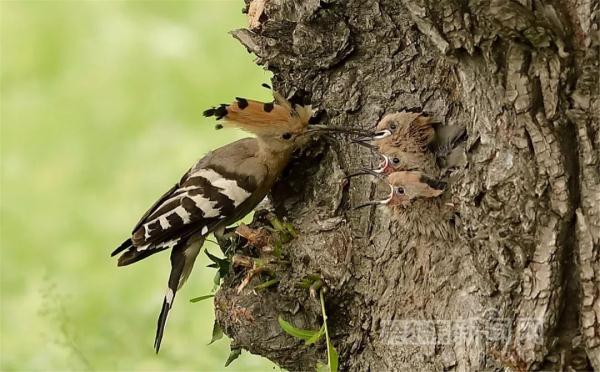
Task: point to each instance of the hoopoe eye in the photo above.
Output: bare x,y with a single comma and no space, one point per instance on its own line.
399,191
286,136
395,160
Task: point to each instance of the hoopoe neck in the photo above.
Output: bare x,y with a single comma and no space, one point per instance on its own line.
276,157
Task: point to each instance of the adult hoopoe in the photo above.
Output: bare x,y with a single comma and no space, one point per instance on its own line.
221,188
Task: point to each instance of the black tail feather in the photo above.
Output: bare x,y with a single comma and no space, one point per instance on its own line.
161,323
133,256
177,267
125,245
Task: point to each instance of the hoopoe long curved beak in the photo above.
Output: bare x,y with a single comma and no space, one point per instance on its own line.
315,128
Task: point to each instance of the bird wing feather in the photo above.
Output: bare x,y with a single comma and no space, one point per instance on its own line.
207,193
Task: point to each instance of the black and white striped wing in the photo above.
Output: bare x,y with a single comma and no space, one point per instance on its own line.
202,199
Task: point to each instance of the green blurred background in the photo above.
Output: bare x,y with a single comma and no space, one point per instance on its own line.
101,113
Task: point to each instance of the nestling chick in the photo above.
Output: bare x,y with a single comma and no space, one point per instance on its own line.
406,186
412,131
415,204
396,159
406,130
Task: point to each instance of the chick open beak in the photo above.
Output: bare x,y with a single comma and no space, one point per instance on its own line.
378,172
383,165
378,202
366,140
375,136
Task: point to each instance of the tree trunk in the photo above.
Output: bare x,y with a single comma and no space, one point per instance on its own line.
515,280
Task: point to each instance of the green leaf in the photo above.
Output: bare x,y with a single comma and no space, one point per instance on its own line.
277,249
333,357
317,336
321,367
276,223
216,281
333,361
309,280
198,299
217,333
233,355
291,230
303,334
222,264
214,258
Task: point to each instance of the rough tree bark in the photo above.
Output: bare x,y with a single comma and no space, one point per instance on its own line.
523,208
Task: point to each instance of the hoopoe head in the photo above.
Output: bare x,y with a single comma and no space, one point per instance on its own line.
277,124
410,131
409,185
396,159
405,186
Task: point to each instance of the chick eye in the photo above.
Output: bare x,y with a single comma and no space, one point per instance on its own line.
286,136
399,191
395,160
393,126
